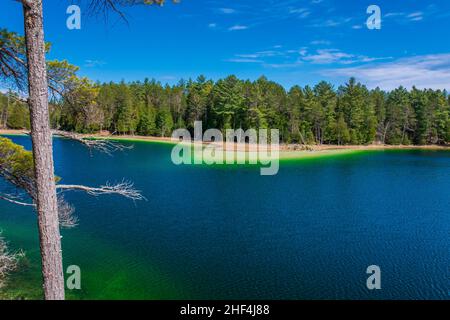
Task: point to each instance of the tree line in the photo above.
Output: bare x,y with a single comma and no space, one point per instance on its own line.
350,114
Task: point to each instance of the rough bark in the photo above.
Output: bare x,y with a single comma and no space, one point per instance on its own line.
46,201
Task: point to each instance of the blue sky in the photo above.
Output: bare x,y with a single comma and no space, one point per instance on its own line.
289,41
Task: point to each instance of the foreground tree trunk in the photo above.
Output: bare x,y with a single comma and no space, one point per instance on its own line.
46,202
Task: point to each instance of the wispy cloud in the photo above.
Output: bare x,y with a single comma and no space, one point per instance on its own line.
320,42
261,54
244,60
330,56
265,11
268,58
300,12
426,71
394,14
237,27
93,63
212,25
226,10
327,56
285,65
298,57
335,22
406,17
415,16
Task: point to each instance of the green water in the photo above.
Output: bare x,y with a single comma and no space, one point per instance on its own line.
224,232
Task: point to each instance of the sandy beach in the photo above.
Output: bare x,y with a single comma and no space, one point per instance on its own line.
287,151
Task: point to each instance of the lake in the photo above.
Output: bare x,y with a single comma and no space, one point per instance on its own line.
225,232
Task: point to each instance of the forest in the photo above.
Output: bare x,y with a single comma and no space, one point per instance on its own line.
350,114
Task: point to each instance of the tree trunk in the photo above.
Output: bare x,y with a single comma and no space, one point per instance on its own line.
5,113
47,209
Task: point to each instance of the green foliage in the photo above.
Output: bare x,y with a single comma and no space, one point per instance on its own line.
197,100
18,117
164,122
227,102
12,59
14,113
13,67
349,115
17,165
80,111
147,123
15,161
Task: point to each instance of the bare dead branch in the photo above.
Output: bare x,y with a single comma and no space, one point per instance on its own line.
125,189
8,261
103,145
67,219
14,158
103,7
12,199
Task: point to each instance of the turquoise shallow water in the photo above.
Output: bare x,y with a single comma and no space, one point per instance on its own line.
226,232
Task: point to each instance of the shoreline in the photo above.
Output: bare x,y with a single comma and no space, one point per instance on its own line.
287,151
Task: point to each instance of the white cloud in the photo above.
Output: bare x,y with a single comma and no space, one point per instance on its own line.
300,12
330,56
244,60
294,58
303,52
212,25
406,17
426,71
261,54
326,56
227,10
394,14
336,22
93,63
297,10
320,42
283,65
415,16
237,28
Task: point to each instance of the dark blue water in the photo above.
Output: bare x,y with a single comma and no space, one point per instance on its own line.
309,232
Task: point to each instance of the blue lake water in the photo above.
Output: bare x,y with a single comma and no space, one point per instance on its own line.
204,232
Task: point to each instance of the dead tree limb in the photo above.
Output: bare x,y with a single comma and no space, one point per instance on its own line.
67,218
12,199
102,145
124,188
9,261
16,167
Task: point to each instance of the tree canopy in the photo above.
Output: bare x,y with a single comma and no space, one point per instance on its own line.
322,114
